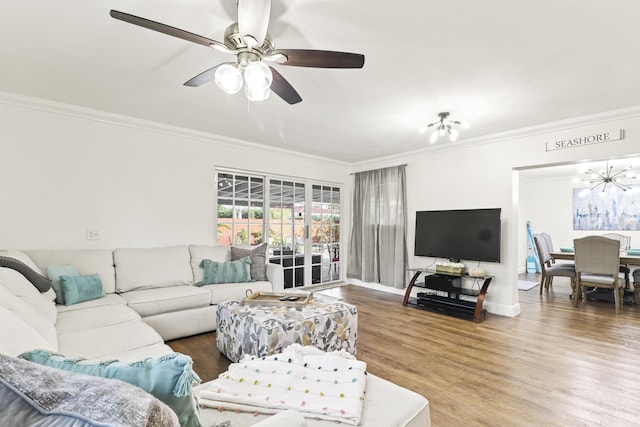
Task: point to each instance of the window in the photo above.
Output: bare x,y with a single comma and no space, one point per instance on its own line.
240,209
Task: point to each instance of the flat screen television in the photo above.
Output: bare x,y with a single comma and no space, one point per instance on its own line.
463,234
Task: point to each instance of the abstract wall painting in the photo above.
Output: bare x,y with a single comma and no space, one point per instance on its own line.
609,210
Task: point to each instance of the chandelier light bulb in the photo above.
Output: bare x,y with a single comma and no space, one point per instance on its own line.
434,136
445,126
228,78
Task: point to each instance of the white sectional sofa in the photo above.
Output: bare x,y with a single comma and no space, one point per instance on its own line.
150,296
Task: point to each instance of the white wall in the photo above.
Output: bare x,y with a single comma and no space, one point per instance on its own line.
65,170
483,175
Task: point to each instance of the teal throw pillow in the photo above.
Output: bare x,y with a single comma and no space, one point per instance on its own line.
238,271
169,378
54,272
81,288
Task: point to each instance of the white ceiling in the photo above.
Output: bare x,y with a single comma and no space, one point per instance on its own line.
499,64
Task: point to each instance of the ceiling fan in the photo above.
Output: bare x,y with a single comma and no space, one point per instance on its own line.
249,40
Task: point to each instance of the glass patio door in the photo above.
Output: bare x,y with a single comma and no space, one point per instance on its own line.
304,231
325,232
302,219
287,229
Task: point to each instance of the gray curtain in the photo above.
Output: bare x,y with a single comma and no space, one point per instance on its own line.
378,249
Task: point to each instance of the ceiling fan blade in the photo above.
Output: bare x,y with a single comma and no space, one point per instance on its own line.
167,29
320,58
205,76
253,19
283,88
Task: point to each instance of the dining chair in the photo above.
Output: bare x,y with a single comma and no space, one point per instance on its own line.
597,262
636,285
549,270
625,244
547,238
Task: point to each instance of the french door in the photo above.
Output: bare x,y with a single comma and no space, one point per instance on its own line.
302,220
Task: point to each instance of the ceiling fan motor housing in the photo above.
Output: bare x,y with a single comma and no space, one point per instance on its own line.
234,41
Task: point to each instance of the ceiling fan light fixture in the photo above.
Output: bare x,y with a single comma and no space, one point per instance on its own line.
229,79
256,94
258,76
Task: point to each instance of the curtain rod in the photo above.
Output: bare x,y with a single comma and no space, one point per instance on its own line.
404,164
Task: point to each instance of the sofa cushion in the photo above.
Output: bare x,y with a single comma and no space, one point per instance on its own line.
40,324
238,271
55,272
228,291
202,252
16,336
36,395
152,268
86,261
78,289
102,342
42,283
18,285
169,378
258,255
94,318
108,299
148,302
289,418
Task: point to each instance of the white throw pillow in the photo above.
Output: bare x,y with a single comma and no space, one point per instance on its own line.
16,336
19,286
29,315
21,256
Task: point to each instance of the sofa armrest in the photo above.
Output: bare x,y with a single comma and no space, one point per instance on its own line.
275,275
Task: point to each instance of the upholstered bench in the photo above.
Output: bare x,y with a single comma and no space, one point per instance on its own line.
328,389
326,323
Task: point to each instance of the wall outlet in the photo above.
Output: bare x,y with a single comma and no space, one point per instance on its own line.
93,234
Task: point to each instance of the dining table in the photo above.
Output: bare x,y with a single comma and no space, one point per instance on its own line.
624,257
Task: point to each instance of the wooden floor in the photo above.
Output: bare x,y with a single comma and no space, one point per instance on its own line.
553,365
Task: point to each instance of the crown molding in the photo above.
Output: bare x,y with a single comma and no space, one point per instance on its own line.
543,129
55,107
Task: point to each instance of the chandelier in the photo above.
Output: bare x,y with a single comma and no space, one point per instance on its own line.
444,126
602,178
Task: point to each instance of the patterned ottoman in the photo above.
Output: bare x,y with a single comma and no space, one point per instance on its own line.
326,323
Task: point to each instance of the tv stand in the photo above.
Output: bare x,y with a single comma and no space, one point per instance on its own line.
437,284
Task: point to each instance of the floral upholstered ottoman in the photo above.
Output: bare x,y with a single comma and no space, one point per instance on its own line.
326,323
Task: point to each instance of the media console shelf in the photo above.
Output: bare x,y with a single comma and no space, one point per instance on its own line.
436,283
